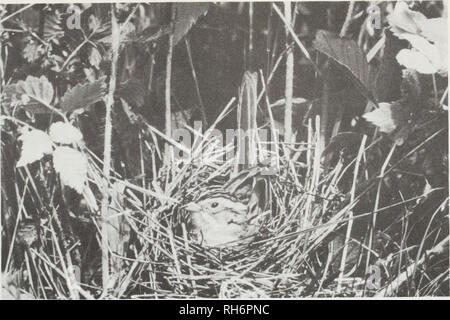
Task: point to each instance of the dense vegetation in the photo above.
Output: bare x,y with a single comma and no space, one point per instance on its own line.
92,194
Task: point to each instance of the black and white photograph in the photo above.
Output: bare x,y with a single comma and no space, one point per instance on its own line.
224,150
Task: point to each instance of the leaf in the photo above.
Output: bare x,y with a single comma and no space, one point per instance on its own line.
391,118
428,38
62,132
72,166
35,144
32,51
32,94
347,54
186,15
94,57
83,95
435,30
38,89
416,60
282,102
94,23
53,27
403,19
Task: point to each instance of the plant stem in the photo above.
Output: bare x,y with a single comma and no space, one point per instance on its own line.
348,19
115,41
168,113
197,87
17,12
289,79
250,35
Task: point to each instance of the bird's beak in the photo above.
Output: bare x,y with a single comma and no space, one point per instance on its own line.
192,207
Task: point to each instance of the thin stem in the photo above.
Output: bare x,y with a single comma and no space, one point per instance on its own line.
348,19
168,113
17,12
115,42
197,88
350,214
289,78
250,35
296,39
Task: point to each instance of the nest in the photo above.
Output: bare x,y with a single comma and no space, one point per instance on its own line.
277,261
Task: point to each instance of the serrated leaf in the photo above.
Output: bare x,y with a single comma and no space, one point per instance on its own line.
35,144
36,90
53,28
40,89
63,132
72,166
32,51
83,95
347,54
185,17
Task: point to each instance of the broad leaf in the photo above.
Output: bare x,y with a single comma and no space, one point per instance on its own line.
428,38
62,132
32,94
385,117
391,118
403,19
72,167
416,60
40,89
349,56
186,15
83,95
35,144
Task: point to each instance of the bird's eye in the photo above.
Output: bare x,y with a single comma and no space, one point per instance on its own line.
214,205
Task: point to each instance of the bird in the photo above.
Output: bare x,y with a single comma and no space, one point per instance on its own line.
230,214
